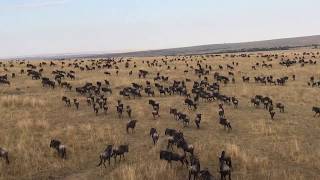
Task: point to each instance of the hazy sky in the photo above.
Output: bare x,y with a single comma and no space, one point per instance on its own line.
32,27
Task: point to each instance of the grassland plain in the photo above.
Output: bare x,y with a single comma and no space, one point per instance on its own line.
286,148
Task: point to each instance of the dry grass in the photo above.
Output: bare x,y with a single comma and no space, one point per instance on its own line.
14,101
287,148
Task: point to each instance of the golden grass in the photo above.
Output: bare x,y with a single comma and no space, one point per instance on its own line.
18,101
286,148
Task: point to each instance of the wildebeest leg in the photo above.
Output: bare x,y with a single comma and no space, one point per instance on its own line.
7,159
182,163
104,163
115,158
221,176
100,162
64,154
169,145
191,151
229,175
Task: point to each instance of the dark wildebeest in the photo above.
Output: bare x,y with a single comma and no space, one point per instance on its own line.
4,81
170,132
224,122
221,111
131,125
194,168
280,106
129,111
154,104
235,101
76,103
190,103
120,151
174,137
4,154
120,110
155,112
198,120
174,112
170,156
106,155
225,166
181,143
255,102
61,149
66,100
205,175
272,113
154,135
316,110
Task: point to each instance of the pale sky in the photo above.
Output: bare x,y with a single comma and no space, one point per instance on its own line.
37,27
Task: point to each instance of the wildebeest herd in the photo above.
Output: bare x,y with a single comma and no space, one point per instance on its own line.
198,85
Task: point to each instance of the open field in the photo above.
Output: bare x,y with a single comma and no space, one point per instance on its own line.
287,147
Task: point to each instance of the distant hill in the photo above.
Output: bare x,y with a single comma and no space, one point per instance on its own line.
267,45
275,44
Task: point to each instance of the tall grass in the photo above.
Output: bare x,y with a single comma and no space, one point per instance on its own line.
19,101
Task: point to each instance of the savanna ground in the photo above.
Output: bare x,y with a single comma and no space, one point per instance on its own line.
286,148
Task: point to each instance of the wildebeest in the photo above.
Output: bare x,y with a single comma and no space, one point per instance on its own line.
129,111
106,89
61,149
4,81
205,175
120,151
170,132
154,104
272,113
105,155
5,155
76,103
235,101
131,125
255,102
194,167
225,123
182,143
316,110
66,100
149,91
225,166
190,103
154,135
170,156
155,112
280,106
221,111
198,120
120,110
